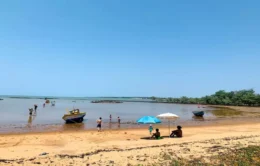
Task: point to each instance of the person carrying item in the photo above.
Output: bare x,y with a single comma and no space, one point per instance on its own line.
99,121
157,134
150,129
177,133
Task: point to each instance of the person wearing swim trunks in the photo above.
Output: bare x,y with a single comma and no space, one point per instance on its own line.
99,121
35,107
177,133
156,135
118,120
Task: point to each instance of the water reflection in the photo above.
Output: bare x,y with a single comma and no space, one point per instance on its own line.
110,125
225,112
30,120
73,126
198,118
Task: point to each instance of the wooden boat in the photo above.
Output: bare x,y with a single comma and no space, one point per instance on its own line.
74,116
47,101
198,113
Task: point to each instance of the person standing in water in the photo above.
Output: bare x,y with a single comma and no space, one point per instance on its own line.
30,111
118,120
110,117
35,107
43,105
99,122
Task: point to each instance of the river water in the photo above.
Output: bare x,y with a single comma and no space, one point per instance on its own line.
15,115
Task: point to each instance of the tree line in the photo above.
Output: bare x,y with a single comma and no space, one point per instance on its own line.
233,98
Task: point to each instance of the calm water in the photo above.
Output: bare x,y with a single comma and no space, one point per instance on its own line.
15,114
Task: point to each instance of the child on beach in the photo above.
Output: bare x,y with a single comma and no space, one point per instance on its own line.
150,129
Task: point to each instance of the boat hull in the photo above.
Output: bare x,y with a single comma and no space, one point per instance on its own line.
198,113
74,118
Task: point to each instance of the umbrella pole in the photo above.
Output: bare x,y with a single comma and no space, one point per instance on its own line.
169,124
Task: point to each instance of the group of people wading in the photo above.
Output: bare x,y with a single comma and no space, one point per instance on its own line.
99,122
36,106
31,109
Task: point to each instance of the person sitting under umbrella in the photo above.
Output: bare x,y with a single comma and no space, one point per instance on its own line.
177,133
157,134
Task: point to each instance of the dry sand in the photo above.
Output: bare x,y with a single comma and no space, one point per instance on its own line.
122,147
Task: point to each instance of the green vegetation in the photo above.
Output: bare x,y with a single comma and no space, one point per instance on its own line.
234,98
249,156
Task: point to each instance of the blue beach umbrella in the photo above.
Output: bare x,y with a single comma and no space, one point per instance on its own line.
148,120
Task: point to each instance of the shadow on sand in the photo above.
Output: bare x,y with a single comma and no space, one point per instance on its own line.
149,138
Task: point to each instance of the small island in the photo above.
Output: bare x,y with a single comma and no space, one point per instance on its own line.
107,101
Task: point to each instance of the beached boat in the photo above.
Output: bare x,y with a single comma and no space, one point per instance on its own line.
74,116
198,113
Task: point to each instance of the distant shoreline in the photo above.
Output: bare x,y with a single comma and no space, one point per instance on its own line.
30,98
125,99
107,101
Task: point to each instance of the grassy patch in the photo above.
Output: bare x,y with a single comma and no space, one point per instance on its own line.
249,156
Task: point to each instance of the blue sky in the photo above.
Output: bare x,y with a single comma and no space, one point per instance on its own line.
128,48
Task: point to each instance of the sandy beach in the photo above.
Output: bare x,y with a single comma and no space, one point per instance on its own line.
122,147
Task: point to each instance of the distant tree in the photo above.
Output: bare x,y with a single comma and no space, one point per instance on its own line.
184,100
258,99
169,100
238,98
153,98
